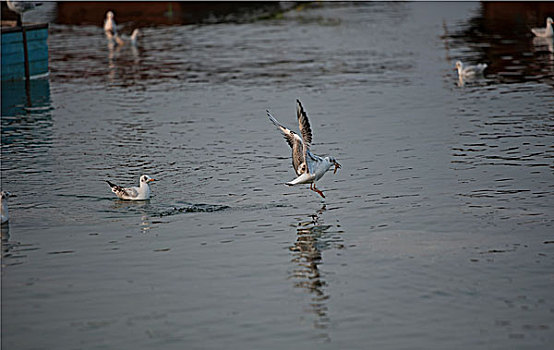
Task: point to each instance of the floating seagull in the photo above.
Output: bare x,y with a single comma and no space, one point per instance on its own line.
110,28
308,166
4,206
470,71
109,25
133,193
21,7
547,32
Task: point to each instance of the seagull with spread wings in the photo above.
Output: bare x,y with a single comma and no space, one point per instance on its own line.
308,166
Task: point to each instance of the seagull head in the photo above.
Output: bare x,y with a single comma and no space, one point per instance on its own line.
335,163
145,179
459,65
549,20
5,194
109,15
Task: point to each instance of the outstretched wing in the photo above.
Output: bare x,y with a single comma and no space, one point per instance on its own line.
306,131
295,142
303,124
291,137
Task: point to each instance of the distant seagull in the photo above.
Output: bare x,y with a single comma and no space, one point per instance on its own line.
134,36
547,32
308,166
4,206
21,7
110,28
470,71
133,193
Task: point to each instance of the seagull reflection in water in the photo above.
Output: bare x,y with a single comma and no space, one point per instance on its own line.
544,45
142,207
312,238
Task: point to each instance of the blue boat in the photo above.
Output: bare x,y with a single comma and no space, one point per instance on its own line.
20,61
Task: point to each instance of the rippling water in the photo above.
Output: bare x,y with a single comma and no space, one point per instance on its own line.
436,233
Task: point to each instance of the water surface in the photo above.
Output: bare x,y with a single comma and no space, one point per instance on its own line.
436,233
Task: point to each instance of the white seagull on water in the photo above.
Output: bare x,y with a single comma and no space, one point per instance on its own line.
110,28
547,32
308,166
470,71
133,193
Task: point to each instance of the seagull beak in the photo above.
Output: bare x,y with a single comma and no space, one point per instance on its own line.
337,166
150,180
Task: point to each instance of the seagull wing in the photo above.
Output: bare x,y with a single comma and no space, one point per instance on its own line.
122,192
477,69
295,142
130,192
312,160
481,67
303,124
306,131
538,31
291,137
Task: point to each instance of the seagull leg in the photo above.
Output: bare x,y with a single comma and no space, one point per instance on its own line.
313,188
319,192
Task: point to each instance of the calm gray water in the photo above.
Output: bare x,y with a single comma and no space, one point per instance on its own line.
437,233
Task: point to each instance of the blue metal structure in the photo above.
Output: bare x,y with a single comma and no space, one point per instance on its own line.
13,51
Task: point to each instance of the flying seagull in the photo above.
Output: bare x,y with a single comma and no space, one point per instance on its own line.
308,166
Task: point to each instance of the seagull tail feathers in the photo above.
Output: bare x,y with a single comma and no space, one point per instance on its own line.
112,185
